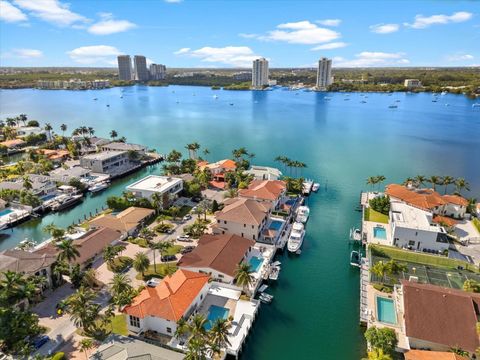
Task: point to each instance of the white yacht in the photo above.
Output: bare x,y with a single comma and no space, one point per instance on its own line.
315,187
302,214
98,187
295,240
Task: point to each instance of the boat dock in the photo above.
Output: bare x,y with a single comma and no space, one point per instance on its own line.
364,269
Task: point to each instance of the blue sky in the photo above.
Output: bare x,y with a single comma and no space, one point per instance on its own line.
195,33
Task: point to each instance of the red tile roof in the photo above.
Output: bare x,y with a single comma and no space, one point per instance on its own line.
455,199
441,316
432,355
445,220
426,199
171,298
219,252
243,211
264,189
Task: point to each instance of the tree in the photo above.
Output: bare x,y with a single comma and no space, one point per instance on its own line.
113,134
434,180
447,180
174,156
243,275
90,278
378,354
48,129
141,263
392,267
231,193
15,287
218,335
380,204
206,152
63,127
85,345
380,269
174,211
83,311
16,327
192,150
461,184
55,232
121,290
383,339
110,252
68,250
420,180
27,183
471,285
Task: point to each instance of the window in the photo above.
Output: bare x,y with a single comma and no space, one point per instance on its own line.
253,227
411,243
169,330
134,321
225,221
221,276
253,236
244,225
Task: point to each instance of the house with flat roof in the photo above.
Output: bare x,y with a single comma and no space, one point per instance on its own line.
244,217
41,185
218,256
414,229
118,347
108,162
438,318
128,221
165,186
264,172
65,175
158,308
122,146
271,191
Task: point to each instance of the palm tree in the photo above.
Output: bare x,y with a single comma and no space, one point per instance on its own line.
11,122
68,250
85,345
380,179
23,118
141,263
81,308
182,327
461,184
408,181
174,211
218,335
16,287
63,127
239,153
192,150
121,290
379,269
110,252
91,131
372,181
434,180
420,180
231,193
54,231
27,183
206,152
90,278
196,349
113,134
157,201
243,275
447,180
48,129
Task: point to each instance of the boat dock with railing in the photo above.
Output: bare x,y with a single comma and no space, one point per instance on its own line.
364,269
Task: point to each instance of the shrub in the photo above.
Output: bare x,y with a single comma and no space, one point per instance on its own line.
59,356
381,204
382,338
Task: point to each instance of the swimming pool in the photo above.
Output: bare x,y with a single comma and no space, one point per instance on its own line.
214,313
386,310
5,212
276,225
379,232
255,263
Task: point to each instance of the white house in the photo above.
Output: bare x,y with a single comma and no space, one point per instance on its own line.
158,308
264,173
41,185
107,162
414,229
455,207
166,186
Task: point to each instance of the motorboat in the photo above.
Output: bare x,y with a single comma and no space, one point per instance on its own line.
315,187
98,187
295,240
215,97
476,105
443,93
265,298
95,98
355,234
363,102
274,272
307,186
393,106
65,201
355,258
302,214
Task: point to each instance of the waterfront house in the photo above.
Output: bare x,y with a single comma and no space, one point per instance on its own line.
128,221
218,256
218,170
66,175
24,131
13,145
167,187
158,308
91,144
264,173
438,318
414,229
41,185
270,191
244,217
56,156
118,347
113,163
121,146
429,200
432,355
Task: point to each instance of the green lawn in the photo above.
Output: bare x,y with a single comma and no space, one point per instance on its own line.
139,241
420,258
184,210
476,223
174,250
119,325
372,215
120,263
163,269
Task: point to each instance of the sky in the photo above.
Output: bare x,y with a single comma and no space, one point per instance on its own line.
197,33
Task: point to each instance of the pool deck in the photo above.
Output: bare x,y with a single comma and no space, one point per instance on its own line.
368,233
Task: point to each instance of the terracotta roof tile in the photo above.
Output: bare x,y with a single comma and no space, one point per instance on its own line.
171,298
245,211
264,189
432,355
124,221
426,199
455,199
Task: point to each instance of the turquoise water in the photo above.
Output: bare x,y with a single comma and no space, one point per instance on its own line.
380,232
255,263
214,313
276,225
342,142
386,310
5,212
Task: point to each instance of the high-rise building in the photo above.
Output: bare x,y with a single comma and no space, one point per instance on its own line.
260,73
324,73
140,67
157,71
125,67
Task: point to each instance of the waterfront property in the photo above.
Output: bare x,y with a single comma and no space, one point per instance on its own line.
127,221
41,185
218,170
432,355
244,217
165,186
271,191
113,163
122,146
264,172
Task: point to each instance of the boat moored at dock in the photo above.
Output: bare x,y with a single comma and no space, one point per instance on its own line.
303,213
295,239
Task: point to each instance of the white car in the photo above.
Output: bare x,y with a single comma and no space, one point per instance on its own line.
185,238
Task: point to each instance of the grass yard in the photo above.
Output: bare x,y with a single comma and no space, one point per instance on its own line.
372,215
420,258
184,210
163,269
120,263
119,325
476,223
139,241
174,250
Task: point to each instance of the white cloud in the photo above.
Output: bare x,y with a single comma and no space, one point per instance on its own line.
23,54
422,22
10,13
460,57
108,25
372,58
241,56
384,28
52,11
329,22
96,54
248,36
330,46
301,32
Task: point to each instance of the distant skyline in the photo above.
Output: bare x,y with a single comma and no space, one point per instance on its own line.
216,34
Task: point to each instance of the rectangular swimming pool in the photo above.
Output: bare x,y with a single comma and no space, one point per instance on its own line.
255,263
5,212
214,313
276,225
379,232
386,310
